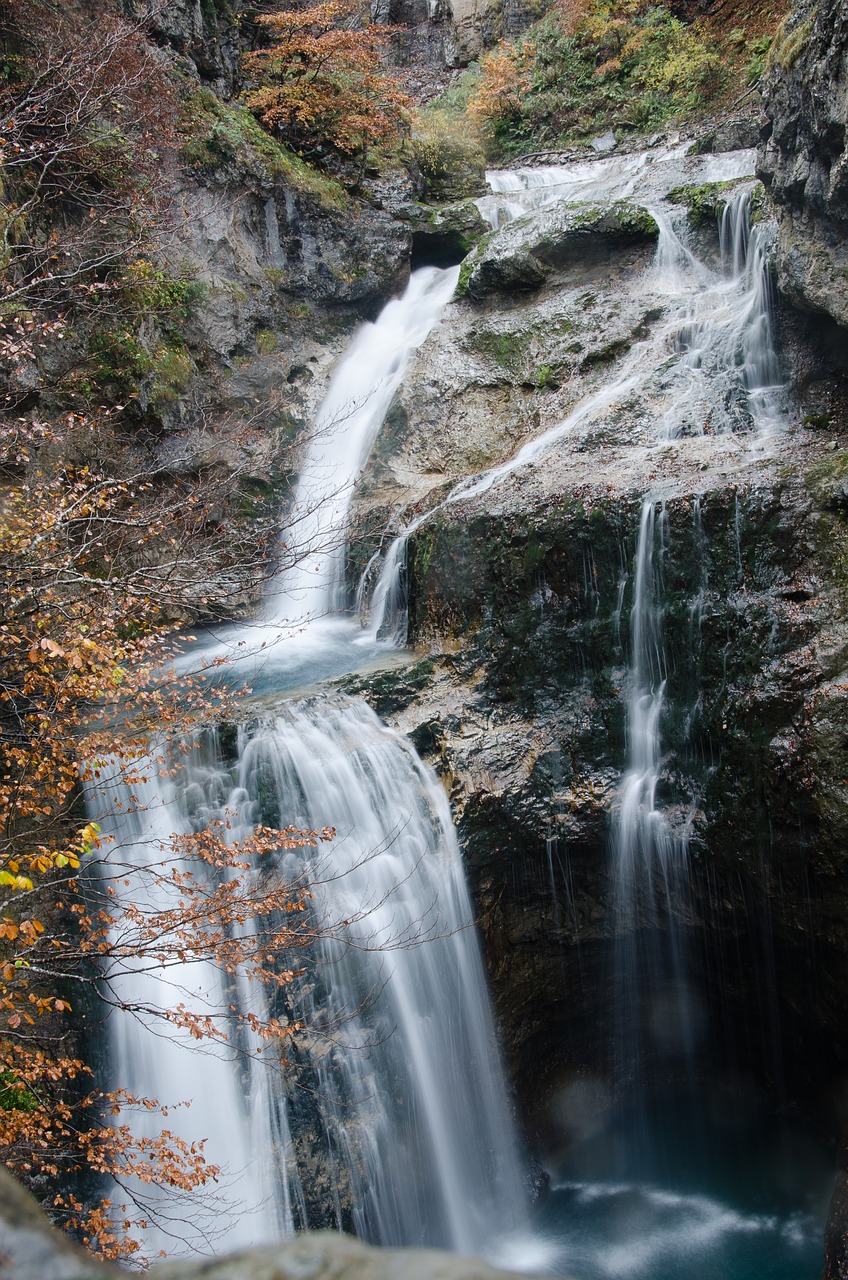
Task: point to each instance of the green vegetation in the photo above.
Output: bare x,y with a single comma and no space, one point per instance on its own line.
172,371
219,134
449,153
789,42
593,65
703,204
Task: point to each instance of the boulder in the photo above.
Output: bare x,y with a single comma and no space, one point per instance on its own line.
520,257
30,1246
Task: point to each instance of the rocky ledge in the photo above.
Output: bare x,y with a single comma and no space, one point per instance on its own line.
30,1246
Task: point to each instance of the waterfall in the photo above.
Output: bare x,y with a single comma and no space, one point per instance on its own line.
411,1086
724,377
409,1090
231,1104
652,1002
305,630
347,422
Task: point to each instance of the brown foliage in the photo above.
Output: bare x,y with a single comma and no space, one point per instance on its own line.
85,112
85,562
321,81
506,77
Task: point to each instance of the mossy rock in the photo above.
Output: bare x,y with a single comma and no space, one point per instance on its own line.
705,204
520,256
443,237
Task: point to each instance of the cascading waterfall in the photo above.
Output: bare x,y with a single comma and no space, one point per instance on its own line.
305,630
347,422
649,857
411,1089
232,1107
725,376
411,1084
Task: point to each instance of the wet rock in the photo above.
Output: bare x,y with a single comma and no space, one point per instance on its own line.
734,134
521,256
836,1233
804,158
442,237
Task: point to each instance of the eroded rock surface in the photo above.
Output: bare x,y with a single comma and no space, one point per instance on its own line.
804,160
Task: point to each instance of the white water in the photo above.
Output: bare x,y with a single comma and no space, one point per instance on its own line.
650,872
516,192
231,1106
410,1086
710,358
305,630
352,412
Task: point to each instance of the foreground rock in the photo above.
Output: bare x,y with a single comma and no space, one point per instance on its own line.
30,1247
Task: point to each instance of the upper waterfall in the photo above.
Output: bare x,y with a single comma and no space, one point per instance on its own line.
351,413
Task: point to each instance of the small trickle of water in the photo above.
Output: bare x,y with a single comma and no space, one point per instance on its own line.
654,1010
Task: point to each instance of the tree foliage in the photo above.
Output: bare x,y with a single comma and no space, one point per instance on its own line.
103,551
591,65
321,81
85,111
91,565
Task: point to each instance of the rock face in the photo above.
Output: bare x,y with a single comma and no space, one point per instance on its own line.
513,261
205,37
30,1247
804,159
520,598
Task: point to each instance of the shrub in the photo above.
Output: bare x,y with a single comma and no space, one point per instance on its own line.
449,153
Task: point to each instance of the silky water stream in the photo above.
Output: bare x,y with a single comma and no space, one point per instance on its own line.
407,1091
408,1100
695,1174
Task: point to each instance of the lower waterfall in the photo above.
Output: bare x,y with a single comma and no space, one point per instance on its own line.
411,1086
400,1046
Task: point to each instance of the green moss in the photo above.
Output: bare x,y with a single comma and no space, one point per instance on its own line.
172,371
788,45
266,341
545,376
218,133
14,1093
504,348
704,204
465,272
